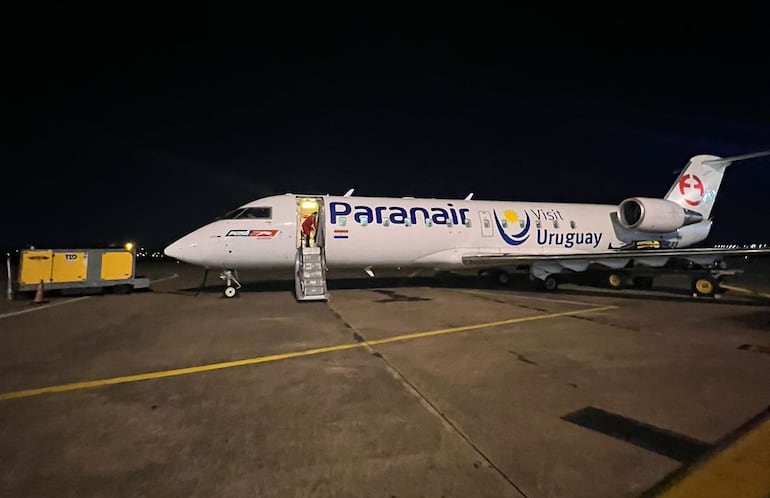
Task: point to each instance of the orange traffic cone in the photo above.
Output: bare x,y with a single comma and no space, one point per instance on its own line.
39,295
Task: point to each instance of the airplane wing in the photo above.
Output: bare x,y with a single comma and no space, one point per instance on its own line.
636,254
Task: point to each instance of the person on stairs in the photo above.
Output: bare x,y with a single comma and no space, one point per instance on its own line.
308,227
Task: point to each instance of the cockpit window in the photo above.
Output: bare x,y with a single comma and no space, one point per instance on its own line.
231,215
251,213
256,213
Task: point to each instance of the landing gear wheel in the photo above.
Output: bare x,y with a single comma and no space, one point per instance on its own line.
704,286
615,281
551,283
231,283
502,278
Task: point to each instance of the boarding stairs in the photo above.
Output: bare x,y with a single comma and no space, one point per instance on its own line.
310,274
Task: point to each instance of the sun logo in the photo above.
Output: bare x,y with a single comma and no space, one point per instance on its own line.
513,222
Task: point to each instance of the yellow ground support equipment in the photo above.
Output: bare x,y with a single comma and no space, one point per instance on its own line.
79,269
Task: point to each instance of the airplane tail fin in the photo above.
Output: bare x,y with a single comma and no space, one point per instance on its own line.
697,185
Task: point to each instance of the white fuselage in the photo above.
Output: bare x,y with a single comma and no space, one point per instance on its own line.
404,232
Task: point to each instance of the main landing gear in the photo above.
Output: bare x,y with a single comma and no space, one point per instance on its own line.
230,277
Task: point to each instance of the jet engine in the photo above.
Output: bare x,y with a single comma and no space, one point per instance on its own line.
655,215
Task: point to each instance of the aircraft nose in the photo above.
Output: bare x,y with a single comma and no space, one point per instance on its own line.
182,249
174,250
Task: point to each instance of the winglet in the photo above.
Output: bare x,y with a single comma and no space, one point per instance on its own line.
468,197
349,193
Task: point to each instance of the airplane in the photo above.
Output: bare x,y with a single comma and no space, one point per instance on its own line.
549,240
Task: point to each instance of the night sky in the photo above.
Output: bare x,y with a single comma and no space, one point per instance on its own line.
145,125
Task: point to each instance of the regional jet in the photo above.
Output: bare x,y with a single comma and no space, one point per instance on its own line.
549,240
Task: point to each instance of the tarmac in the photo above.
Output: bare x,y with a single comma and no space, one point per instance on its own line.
395,387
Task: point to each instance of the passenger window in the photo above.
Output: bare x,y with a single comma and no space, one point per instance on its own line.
428,222
555,224
364,221
505,223
343,220
486,223
537,223
572,224
467,223
521,223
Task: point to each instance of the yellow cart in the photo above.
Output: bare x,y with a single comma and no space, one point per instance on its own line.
79,270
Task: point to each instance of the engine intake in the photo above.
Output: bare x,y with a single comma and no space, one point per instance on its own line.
655,215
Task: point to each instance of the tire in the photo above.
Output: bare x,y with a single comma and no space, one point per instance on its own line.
123,289
551,283
502,278
230,292
616,281
705,286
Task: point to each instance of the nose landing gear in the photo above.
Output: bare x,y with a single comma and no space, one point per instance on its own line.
230,277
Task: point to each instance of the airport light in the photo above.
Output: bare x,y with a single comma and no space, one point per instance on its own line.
129,246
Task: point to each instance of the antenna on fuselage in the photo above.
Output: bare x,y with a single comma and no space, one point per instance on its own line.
349,193
468,197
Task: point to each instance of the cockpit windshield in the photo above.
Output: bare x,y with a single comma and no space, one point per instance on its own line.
251,213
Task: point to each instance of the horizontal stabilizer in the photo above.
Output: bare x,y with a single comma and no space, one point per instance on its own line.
737,158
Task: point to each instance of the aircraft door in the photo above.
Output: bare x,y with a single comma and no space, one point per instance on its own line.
306,206
486,224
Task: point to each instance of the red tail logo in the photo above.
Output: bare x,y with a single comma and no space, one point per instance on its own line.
686,187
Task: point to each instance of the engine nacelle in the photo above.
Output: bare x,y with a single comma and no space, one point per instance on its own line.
655,215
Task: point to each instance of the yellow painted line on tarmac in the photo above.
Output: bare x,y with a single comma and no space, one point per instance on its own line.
744,290
419,335
43,307
523,296
741,469
170,373
284,356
